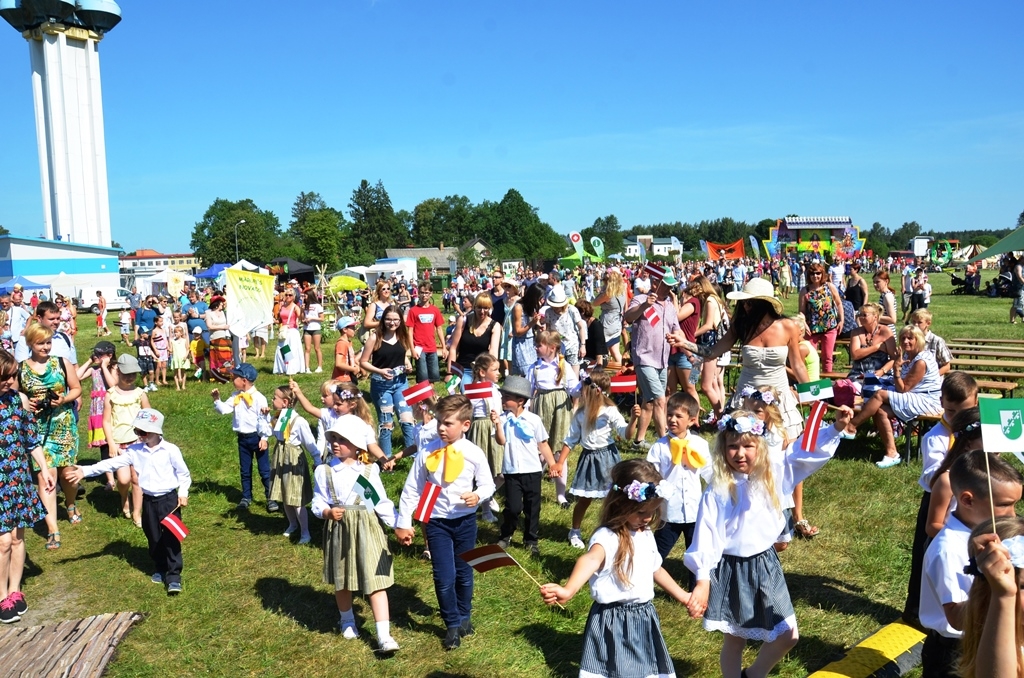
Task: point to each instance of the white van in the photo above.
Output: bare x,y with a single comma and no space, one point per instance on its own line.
117,299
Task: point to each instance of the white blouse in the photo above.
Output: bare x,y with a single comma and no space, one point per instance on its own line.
344,475
609,422
301,434
605,586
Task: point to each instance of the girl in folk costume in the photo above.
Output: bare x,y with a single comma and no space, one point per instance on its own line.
122,403
594,424
552,381
487,370
740,588
100,369
340,400
159,344
623,633
356,557
289,471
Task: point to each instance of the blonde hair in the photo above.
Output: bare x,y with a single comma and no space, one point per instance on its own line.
759,478
362,411
979,598
287,394
615,286
552,339
872,307
593,398
36,332
921,315
916,333
773,415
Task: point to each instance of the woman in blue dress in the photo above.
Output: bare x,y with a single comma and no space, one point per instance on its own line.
525,319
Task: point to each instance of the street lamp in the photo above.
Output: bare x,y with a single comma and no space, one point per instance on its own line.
240,222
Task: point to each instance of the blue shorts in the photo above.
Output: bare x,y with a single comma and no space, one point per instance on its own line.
679,361
652,383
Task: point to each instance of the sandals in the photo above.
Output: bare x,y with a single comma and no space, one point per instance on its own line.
53,541
805,529
74,515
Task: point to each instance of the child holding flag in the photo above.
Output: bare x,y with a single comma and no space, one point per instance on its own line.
482,392
552,381
164,479
440,493
356,555
289,472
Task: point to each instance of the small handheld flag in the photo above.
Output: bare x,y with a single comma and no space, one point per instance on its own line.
1002,424
428,498
814,390
813,424
652,316
486,558
286,352
457,370
623,383
369,492
479,389
175,526
418,393
452,384
656,272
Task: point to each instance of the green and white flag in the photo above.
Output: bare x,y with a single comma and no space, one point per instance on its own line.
1002,424
369,494
284,422
814,390
286,351
452,384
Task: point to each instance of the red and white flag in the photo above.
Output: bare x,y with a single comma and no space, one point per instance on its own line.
427,500
418,393
490,557
813,424
479,389
175,526
623,383
652,316
656,272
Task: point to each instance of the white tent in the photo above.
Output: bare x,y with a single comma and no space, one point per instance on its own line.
69,285
222,277
968,252
157,283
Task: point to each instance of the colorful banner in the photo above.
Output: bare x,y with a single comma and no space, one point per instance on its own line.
250,300
577,242
718,251
598,246
175,283
753,247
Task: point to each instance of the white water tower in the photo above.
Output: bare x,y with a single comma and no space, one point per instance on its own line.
63,38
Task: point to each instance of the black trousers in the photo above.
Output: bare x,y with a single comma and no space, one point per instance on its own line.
522,496
164,547
939,656
921,540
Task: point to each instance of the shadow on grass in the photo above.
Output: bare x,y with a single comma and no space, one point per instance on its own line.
136,556
229,492
834,595
314,608
813,652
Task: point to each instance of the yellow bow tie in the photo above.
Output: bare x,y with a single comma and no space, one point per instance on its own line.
949,427
682,453
453,462
247,397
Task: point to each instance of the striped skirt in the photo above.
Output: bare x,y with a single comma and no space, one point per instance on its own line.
289,475
594,472
481,434
623,640
749,598
555,411
356,556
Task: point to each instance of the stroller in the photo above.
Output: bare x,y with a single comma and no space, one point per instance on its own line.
960,285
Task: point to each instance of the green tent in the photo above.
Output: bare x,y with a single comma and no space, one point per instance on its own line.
574,259
1011,243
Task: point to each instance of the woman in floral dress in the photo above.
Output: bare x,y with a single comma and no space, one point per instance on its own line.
19,504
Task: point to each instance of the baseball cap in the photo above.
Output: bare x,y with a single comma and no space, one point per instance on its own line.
150,421
345,321
197,330
245,371
127,364
104,348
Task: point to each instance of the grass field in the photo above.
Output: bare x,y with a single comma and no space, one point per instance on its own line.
254,604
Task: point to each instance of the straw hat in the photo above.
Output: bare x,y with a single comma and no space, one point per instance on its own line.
755,289
556,297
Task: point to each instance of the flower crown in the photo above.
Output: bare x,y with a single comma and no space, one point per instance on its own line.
347,395
766,397
744,424
1015,545
641,492
970,428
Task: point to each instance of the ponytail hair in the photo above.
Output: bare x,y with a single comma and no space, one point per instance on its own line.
593,398
481,364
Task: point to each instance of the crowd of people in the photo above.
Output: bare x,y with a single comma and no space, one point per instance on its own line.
526,359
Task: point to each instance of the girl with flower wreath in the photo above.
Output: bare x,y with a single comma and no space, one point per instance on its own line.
740,588
623,633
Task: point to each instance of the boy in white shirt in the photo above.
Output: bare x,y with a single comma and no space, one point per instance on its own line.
524,438
439,492
247,405
681,457
164,479
945,585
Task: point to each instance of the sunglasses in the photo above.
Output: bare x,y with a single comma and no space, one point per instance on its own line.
8,375
140,433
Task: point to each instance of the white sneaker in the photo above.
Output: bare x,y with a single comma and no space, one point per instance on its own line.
576,540
318,371
349,631
493,506
387,645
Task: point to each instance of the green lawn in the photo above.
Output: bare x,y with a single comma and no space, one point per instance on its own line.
254,604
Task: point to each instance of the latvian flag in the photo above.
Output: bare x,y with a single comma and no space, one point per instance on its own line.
813,425
623,383
491,557
175,526
656,272
652,316
427,500
418,393
456,369
814,390
479,389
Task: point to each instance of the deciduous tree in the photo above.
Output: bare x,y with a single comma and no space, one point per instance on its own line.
213,238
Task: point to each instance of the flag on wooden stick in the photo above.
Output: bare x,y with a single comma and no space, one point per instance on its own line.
490,557
418,392
623,383
428,498
175,526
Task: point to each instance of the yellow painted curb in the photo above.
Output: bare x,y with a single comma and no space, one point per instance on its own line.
874,652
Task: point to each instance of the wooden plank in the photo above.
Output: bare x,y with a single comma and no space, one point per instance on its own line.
1018,342
994,374
985,353
80,647
987,363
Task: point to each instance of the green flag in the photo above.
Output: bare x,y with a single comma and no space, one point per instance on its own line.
814,390
369,494
598,246
282,422
452,384
286,351
1002,424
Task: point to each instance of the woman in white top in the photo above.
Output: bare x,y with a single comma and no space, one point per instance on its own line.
311,334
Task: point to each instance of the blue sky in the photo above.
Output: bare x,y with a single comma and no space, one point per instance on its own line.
654,112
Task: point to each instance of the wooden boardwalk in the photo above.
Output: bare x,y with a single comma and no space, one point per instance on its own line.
80,647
